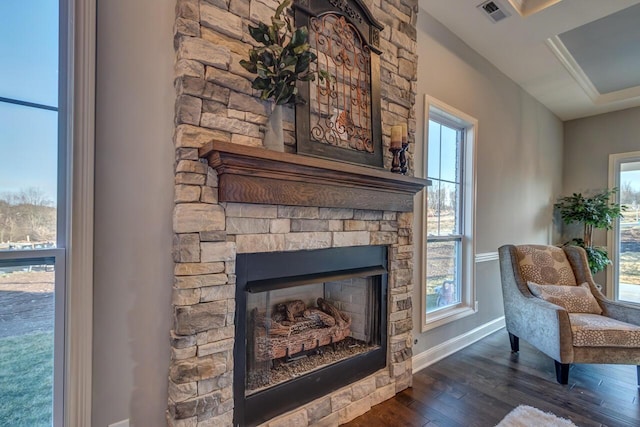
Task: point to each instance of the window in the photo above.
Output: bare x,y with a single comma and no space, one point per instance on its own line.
32,215
449,289
31,237
624,239
47,121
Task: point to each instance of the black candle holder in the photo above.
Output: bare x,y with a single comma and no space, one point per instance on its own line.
403,158
395,163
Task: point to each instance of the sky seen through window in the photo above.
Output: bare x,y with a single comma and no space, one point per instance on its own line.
29,73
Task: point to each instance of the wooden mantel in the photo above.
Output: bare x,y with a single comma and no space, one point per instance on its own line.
256,175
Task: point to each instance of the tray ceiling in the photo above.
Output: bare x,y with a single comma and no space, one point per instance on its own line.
577,57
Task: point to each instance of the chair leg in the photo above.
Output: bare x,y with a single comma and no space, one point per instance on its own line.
515,343
562,372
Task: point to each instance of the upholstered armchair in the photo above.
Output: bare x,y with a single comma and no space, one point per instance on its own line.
564,321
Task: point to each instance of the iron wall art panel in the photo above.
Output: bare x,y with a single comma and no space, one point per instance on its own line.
341,119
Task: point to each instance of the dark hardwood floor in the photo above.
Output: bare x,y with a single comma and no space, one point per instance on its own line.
480,384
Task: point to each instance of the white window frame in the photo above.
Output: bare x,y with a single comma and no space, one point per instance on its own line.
613,235
468,304
79,55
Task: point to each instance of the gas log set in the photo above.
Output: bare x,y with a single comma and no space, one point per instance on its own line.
295,329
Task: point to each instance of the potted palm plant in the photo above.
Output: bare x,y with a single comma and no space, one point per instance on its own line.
281,59
595,212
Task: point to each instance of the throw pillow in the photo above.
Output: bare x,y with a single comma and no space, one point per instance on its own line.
574,299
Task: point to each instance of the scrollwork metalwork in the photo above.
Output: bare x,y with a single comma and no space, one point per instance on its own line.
375,37
344,6
341,109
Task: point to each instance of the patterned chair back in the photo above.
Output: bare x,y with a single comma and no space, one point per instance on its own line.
545,265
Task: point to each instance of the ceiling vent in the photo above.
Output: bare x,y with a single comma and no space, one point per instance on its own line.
494,11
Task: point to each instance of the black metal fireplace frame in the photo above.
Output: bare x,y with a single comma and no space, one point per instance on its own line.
260,271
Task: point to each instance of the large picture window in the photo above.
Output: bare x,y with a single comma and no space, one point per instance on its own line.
47,128
32,215
448,214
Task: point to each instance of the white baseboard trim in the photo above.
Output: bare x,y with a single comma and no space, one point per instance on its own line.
432,355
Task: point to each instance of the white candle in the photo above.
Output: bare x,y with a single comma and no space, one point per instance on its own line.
396,136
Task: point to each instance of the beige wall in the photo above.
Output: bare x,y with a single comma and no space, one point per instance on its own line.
587,145
519,161
134,195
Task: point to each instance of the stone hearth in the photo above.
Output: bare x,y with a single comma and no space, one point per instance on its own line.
216,103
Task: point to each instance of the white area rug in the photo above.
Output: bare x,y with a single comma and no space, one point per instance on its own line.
527,416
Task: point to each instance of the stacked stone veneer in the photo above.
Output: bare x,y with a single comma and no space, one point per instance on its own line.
215,102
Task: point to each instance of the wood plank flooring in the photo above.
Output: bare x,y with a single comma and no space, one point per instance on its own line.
479,385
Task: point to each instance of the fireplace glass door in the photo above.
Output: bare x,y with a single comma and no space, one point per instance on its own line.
307,324
302,328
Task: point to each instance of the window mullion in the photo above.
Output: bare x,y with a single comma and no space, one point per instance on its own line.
439,176
460,177
27,104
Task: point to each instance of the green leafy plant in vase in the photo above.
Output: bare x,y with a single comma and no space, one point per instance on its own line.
281,59
595,212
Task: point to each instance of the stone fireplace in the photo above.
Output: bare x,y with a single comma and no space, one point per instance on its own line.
235,199
211,238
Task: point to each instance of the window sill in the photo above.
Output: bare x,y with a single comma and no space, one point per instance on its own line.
439,318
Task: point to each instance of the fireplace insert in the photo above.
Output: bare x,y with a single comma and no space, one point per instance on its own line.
307,323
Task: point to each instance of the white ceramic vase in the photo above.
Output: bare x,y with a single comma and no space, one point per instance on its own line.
274,135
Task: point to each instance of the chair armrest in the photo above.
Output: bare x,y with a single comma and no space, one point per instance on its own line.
620,311
542,324
628,313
